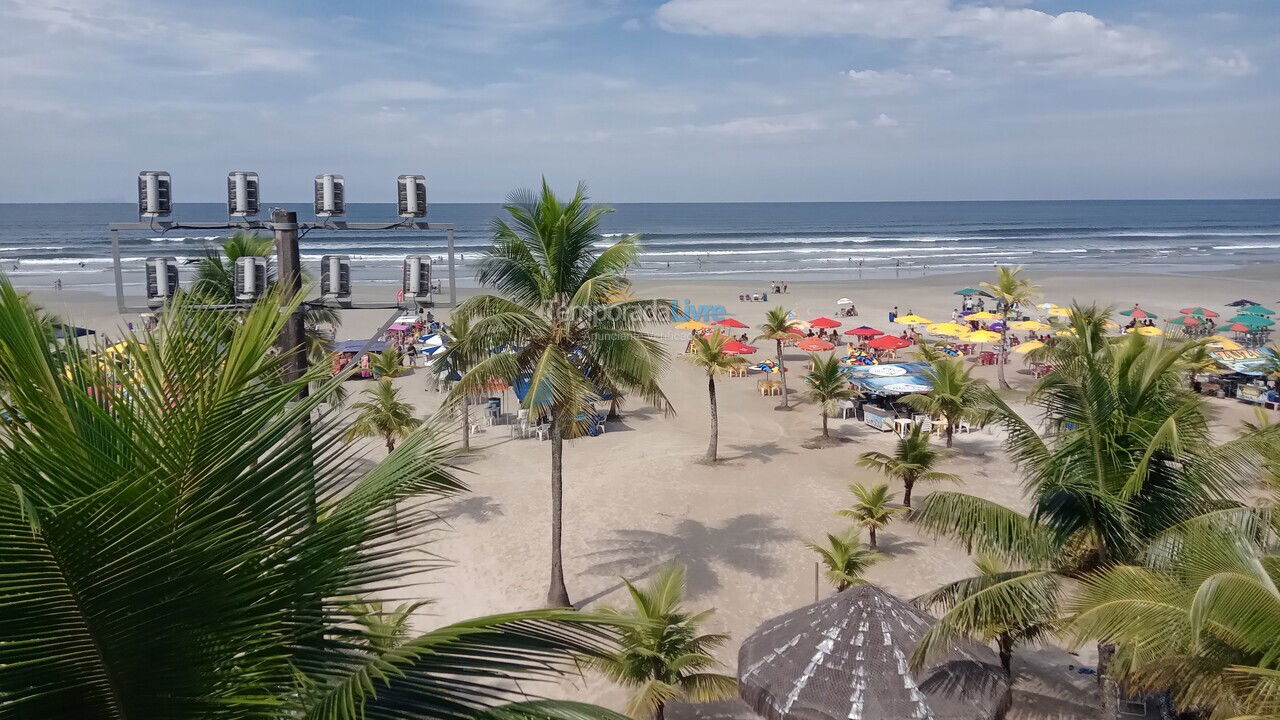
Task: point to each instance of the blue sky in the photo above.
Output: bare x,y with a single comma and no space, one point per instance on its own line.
646,100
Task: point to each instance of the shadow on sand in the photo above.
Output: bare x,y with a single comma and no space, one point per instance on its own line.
476,508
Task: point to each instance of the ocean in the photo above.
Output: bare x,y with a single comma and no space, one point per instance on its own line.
40,243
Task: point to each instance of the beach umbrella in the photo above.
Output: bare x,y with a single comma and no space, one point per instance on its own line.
1069,332
984,315
1186,320
825,323
1257,310
814,344
912,320
1199,312
954,329
982,336
970,292
888,342
844,301
1046,306
1240,328
1060,312
1149,331
432,344
1242,303
730,323
1217,341
864,331
735,347
1138,313
846,658
691,325
1027,347
1251,321
1028,325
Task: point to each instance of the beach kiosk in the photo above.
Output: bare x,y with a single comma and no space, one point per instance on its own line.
883,384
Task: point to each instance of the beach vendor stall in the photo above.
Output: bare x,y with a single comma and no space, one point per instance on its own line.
882,384
341,353
1245,375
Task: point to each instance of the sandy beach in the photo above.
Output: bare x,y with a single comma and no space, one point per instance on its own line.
636,497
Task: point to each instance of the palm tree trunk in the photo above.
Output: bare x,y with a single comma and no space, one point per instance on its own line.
391,442
660,711
715,420
782,373
466,423
825,432
907,484
1005,644
613,408
1000,358
558,594
950,433
872,544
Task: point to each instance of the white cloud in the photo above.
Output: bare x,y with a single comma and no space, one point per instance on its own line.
1237,63
885,121
754,127
892,82
1068,41
631,24
388,91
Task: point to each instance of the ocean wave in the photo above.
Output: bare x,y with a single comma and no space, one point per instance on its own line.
1192,233
1260,246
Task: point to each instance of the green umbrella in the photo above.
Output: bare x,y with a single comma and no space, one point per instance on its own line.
970,292
1257,310
1251,321
1186,320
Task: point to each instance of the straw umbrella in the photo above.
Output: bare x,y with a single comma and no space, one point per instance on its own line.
846,658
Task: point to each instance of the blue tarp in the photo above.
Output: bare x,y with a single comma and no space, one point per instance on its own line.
354,346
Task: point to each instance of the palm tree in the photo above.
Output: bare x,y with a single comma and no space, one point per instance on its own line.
911,462
780,328
1011,289
384,415
846,559
708,353
956,395
216,281
827,386
174,547
388,364
871,509
1199,615
981,608
462,350
562,325
663,654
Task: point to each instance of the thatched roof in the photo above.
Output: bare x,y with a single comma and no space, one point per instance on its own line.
846,658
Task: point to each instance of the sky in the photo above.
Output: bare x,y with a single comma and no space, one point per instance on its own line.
644,100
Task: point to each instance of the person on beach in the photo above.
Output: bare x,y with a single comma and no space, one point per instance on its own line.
893,314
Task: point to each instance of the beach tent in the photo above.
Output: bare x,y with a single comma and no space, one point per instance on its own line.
864,331
824,323
814,344
846,657
354,346
1241,303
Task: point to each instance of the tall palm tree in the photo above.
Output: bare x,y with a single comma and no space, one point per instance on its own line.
912,461
780,328
872,508
1199,615
384,415
462,350
826,386
846,559
562,326
174,548
956,395
664,655
978,608
708,353
1011,288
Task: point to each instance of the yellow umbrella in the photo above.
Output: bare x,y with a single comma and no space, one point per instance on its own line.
1060,311
691,325
1028,325
946,329
984,315
912,320
1066,333
1150,331
1218,341
1110,326
1027,347
982,336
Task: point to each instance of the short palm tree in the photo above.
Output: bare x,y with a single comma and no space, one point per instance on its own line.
708,353
388,364
175,548
982,608
780,328
872,508
912,461
827,386
956,395
568,337
462,350
846,559
664,655
1011,288
384,415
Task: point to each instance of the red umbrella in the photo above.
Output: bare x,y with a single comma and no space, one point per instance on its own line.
1202,312
730,323
1240,328
814,344
863,331
889,342
734,347
824,323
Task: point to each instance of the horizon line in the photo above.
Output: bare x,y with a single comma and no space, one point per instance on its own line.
706,202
